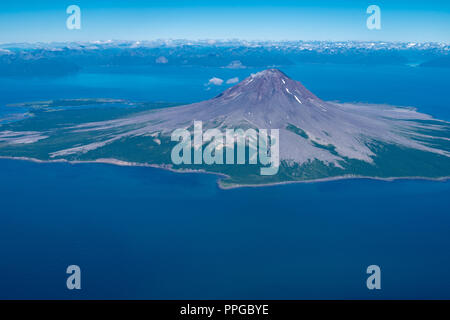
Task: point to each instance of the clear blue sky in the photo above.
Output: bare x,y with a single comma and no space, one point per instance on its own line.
402,20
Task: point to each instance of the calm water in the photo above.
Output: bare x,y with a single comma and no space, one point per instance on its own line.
148,233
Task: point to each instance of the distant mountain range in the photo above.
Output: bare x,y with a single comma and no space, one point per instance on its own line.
64,58
318,139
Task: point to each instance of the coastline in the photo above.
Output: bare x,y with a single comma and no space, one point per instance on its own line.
336,178
122,163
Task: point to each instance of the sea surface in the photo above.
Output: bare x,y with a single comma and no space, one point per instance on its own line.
141,232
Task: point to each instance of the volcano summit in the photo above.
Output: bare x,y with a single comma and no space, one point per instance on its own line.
317,139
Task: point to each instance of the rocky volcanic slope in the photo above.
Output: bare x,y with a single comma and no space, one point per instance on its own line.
318,139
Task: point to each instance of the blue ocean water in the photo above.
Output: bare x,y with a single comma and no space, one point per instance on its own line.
148,233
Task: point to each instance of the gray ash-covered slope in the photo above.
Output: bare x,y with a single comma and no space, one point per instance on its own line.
318,139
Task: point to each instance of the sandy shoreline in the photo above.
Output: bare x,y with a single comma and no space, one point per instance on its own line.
220,175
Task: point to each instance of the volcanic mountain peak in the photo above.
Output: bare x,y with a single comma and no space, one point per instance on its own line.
272,85
270,73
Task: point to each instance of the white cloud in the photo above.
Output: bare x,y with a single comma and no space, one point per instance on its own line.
215,81
236,64
162,59
5,51
233,80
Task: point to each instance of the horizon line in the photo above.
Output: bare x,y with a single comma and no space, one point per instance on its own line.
101,41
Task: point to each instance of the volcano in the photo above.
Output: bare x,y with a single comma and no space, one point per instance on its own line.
318,139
